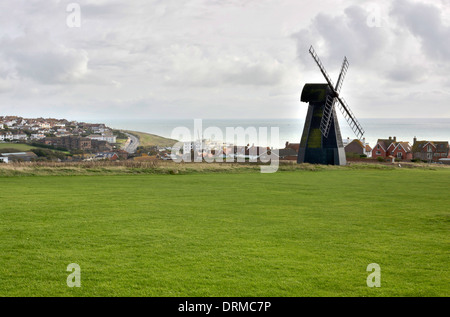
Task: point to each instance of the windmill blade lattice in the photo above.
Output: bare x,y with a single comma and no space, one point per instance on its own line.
350,117
342,74
322,69
325,123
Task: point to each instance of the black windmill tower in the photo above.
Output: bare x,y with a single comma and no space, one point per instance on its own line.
321,141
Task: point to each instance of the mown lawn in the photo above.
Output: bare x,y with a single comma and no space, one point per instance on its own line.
17,146
22,147
299,233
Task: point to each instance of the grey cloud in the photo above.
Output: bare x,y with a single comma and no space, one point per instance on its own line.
407,73
195,66
33,56
347,34
425,22
212,57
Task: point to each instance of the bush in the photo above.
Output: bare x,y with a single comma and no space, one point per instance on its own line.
48,154
351,155
46,146
380,159
363,156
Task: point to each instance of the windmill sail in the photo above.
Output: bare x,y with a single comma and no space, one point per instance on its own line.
350,117
342,74
322,69
331,101
325,123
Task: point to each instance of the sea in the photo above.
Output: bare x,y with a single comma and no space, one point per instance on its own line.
290,130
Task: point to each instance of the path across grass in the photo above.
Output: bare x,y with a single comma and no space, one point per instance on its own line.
299,233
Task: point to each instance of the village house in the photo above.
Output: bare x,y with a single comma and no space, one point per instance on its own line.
391,148
69,143
357,147
10,123
96,128
111,156
107,136
101,146
293,146
37,136
290,151
20,136
6,135
430,151
287,154
44,125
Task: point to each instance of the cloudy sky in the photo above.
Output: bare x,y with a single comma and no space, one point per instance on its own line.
220,58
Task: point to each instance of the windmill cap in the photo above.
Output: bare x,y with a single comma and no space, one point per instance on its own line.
314,92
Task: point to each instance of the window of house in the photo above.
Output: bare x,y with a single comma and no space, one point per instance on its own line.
399,155
378,146
429,148
378,152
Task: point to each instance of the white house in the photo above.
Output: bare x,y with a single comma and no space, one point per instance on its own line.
37,136
10,123
108,137
20,136
6,136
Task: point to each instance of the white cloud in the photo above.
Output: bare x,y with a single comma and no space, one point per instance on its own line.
219,58
34,56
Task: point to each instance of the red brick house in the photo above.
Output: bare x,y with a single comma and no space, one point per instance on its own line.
400,150
380,149
430,151
390,147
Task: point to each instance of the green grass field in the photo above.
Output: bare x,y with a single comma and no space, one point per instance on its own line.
296,233
17,146
21,147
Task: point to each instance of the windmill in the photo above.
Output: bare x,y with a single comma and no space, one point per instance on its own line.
321,141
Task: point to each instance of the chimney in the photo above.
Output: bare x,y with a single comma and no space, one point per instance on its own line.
395,139
390,138
414,140
287,144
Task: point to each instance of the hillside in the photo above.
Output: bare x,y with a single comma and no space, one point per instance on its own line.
147,139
